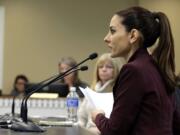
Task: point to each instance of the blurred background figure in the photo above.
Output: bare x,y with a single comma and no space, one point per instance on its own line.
19,85
105,74
72,80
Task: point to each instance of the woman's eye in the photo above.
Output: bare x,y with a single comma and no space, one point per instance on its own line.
112,31
109,66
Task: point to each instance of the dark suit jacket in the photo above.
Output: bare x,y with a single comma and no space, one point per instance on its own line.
141,103
177,95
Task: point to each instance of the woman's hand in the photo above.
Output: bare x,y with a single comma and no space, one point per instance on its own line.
95,113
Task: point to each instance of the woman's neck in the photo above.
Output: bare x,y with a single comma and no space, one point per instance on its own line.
131,52
104,82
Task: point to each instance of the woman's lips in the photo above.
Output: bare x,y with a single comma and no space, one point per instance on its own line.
110,46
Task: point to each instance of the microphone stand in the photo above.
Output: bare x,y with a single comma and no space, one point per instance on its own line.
30,126
27,126
24,101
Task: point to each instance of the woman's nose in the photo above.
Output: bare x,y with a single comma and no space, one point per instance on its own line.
104,68
106,39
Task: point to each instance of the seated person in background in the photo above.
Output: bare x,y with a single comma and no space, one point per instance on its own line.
19,85
72,80
106,71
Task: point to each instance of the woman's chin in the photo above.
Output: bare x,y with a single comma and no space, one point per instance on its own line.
113,55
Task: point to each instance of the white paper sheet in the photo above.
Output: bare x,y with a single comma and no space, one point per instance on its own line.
102,101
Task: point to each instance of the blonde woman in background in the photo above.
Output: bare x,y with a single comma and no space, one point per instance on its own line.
105,74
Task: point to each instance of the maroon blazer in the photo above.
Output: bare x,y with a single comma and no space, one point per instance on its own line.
141,103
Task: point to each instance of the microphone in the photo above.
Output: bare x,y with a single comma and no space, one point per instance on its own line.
23,114
93,56
31,127
84,68
26,126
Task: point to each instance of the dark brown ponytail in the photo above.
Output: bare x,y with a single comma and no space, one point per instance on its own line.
164,53
154,26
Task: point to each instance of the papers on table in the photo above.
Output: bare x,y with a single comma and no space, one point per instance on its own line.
102,101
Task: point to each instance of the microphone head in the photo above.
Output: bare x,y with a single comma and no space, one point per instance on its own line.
93,56
83,68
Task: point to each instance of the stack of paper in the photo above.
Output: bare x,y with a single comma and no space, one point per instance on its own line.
102,101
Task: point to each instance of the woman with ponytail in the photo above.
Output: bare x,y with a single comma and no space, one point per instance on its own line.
144,101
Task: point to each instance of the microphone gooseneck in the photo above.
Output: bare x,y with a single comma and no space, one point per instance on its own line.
28,126
23,112
13,106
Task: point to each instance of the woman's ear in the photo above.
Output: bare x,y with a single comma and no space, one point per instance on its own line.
134,36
